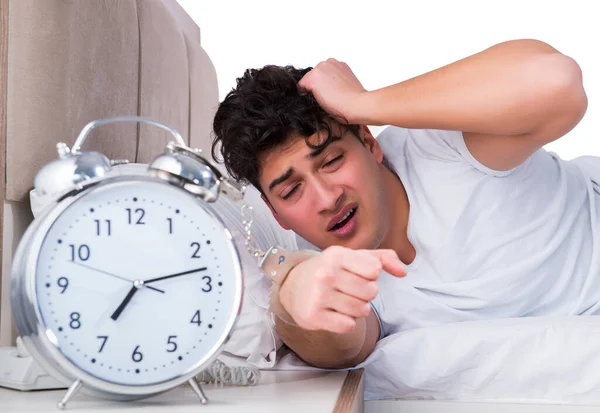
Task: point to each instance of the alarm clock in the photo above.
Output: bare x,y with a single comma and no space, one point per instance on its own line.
127,285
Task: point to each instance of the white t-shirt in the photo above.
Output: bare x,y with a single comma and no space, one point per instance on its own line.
491,244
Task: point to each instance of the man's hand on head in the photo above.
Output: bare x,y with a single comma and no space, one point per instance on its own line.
337,90
333,289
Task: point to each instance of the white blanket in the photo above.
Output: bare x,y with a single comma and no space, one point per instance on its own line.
526,360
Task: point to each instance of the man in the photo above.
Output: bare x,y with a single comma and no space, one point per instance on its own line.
458,194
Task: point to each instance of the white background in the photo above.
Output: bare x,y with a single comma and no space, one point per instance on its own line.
387,41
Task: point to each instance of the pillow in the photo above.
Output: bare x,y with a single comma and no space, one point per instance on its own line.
536,360
528,360
254,336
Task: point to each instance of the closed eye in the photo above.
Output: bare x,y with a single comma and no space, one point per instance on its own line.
334,160
290,193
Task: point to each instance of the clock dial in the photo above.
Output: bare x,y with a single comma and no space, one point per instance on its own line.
137,283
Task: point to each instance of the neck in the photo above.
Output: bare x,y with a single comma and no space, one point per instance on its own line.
398,211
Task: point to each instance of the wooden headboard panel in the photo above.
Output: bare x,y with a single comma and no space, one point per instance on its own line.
67,62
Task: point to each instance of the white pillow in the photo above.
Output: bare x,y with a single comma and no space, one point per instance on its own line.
526,360
254,336
537,360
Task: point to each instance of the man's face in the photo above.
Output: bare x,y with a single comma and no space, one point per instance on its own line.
332,197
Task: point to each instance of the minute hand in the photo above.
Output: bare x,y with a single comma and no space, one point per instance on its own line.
174,275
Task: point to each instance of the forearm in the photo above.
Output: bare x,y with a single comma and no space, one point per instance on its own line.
319,348
322,348
510,88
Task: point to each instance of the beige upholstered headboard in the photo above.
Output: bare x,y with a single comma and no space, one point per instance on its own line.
67,62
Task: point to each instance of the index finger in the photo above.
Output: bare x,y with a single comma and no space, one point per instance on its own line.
390,262
360,262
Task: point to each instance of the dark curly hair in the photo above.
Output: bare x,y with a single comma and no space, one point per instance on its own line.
263,111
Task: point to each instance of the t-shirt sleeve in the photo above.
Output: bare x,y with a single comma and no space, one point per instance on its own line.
453,141
439,145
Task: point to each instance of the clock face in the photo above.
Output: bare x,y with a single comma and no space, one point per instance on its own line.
136,283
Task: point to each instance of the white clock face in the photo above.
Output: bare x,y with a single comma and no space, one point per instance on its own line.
136,283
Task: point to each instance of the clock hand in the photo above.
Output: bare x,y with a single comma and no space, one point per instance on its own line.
113,275
174,275
124,303
137,284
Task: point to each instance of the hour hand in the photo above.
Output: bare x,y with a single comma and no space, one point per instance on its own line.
124,303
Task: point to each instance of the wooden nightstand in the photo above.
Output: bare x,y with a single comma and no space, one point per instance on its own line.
278,391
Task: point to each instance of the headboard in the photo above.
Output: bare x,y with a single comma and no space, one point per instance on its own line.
64,63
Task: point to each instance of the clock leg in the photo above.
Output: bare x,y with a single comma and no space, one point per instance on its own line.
198,390
70,392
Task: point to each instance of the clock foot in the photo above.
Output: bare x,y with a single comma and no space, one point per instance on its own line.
70,392
198,390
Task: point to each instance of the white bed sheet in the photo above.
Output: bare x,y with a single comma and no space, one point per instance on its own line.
423,406
537,360
525,360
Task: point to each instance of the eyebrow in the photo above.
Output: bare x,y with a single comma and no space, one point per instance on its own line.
311,155
281,179
320,149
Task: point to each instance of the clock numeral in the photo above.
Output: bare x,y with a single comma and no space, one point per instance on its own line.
196,318
170,225
195,245
173,343
139,212
75,322
98,227
208,287
136,355
83,252
63,282
103,338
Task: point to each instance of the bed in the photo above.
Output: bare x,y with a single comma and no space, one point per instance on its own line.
145,57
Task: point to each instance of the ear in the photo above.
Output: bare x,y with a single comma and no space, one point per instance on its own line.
371,143
279,220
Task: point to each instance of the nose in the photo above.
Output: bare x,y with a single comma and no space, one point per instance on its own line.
327,196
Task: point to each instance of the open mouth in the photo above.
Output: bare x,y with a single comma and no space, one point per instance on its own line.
345,219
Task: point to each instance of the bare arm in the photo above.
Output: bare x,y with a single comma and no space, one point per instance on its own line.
508,100
511,88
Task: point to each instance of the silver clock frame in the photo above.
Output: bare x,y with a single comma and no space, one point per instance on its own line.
38,339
